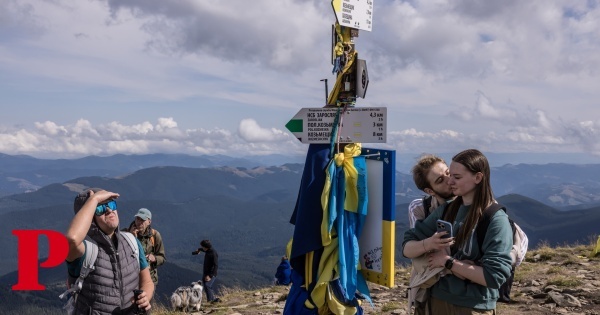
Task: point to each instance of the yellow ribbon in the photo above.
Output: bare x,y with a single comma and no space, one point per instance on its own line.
346,160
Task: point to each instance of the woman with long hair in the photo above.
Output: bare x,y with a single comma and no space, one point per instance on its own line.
474,271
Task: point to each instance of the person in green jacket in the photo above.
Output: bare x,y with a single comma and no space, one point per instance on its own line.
150,239
474,275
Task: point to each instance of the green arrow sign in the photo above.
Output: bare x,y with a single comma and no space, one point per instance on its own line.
364,125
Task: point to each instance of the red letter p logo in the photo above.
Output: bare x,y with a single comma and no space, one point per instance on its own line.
58,248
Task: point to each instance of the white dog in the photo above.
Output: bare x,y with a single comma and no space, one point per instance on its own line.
196,295
185,298
180,299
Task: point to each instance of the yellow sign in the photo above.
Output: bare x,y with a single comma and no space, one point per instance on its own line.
354,13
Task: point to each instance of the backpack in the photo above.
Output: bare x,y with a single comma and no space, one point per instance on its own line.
87,266
520,240
427,205
152,237
519,249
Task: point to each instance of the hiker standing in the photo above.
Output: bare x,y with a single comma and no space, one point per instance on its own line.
151,241
431,175
209,270
467,287
109,287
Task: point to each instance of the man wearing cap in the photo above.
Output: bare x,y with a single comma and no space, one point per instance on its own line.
109,287
151,241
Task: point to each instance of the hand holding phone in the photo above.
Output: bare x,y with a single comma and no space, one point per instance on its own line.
444,226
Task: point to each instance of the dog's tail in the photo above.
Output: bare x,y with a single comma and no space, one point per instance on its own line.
176,301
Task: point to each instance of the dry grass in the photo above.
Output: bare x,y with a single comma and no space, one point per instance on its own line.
390,306
546,265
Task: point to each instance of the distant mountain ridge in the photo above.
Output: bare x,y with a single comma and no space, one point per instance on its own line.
21,173
564,186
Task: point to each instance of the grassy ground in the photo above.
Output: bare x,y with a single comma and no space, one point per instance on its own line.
568,268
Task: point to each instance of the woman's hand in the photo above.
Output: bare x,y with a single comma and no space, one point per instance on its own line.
437,241
437,259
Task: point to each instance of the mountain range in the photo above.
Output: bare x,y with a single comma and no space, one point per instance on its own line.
245,212
562,186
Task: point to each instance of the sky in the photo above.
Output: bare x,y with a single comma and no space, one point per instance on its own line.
101,77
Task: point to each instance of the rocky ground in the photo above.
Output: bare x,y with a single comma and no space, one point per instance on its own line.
560,280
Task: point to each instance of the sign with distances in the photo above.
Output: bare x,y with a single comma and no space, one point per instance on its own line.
354,13
364,125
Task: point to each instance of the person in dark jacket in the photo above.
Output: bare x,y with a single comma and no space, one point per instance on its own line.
210,268
284,272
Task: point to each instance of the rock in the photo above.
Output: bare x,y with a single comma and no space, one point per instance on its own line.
540,295
560,310
587,290
529,290
571,301
571,290
551,306
271,296
552,287
564,300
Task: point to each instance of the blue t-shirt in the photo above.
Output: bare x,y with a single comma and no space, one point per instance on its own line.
74,267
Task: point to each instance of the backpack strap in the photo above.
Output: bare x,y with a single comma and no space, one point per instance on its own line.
445,210
91,253
427,205
484,222
152,238
132,241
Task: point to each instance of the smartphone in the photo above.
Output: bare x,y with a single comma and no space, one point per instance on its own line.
444,226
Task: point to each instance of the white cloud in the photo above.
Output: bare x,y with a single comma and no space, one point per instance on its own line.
134,76
50,128
277,35
83,138
251,131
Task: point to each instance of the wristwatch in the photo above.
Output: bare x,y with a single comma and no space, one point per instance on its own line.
449,263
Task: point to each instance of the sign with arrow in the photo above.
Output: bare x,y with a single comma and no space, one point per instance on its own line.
354,13
364,125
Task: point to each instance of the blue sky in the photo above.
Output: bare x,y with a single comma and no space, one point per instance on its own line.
224,77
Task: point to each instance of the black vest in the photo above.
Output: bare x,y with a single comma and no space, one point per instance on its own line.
108,288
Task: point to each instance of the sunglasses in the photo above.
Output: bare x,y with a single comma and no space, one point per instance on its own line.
101,208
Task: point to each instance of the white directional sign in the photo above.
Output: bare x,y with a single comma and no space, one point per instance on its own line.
354,13
364,125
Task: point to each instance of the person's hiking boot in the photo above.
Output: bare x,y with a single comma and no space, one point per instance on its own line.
216,300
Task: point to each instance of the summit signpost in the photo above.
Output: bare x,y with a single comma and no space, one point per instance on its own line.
359,124
337,133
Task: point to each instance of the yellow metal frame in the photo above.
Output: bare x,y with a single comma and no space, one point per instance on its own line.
386,276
